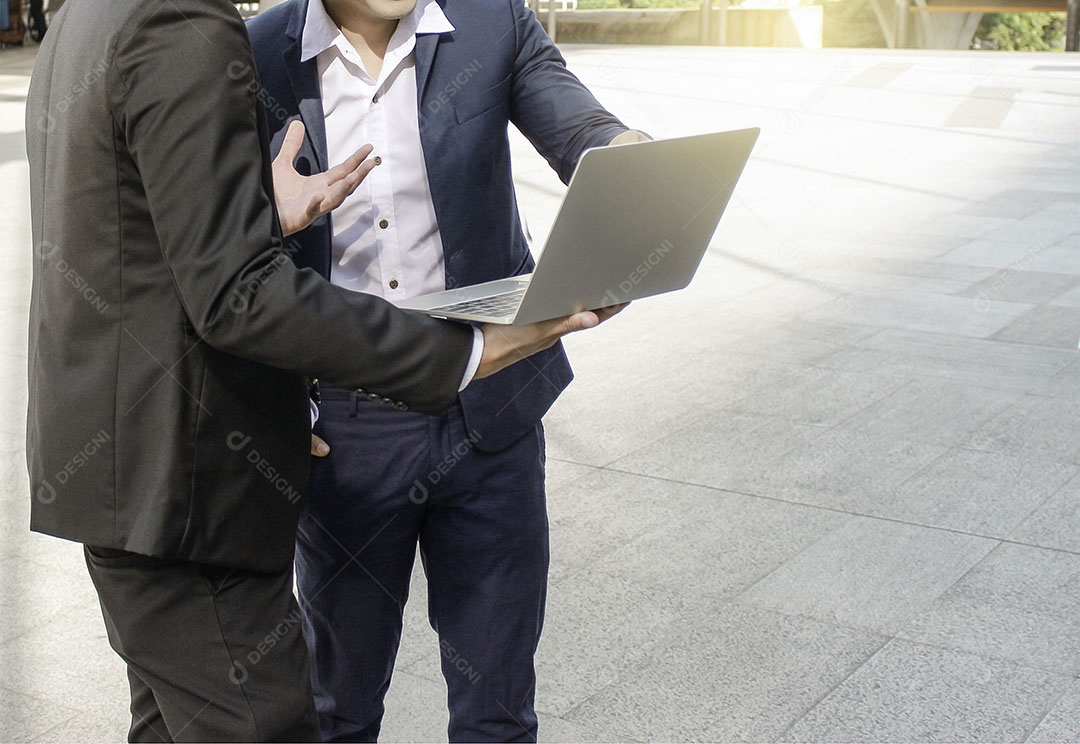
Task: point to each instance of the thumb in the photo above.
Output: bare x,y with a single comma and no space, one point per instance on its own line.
581,321
294,137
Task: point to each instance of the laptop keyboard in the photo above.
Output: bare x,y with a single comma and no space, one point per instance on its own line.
496,305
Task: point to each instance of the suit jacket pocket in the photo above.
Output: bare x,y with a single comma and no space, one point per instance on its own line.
494,97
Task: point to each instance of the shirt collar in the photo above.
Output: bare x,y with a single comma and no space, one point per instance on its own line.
321,33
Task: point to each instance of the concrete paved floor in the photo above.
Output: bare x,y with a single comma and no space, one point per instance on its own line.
828,493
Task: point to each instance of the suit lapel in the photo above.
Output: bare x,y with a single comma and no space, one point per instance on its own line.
424,52
304,78
304,81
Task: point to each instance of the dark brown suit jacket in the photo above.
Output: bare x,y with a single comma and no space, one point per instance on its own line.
169,333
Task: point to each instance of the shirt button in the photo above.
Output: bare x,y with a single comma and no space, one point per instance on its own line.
377,160
393,284
384,224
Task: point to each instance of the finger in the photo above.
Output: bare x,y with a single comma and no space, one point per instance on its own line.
338,191
319,448
349,164
290,146
606,312
581,321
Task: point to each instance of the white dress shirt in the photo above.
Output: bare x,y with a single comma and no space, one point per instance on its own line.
386,239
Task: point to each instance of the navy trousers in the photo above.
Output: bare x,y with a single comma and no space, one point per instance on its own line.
394,480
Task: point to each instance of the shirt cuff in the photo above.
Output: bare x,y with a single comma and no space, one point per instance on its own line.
314,412
474,360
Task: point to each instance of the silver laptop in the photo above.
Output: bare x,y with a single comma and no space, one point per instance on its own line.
634,222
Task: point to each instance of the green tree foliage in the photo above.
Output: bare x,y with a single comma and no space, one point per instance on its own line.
1028,32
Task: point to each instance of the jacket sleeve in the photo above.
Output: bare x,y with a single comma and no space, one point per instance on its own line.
186,98
550,106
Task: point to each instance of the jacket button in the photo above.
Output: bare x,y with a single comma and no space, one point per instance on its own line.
384,224
399,406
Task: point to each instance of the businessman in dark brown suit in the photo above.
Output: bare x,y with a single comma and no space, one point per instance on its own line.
170,337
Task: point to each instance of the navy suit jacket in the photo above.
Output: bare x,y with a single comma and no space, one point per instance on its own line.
498,66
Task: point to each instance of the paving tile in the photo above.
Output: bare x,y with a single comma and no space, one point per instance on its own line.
931,411
868,574
936,313
879,241
595,516
1061,257
655,398
418,652
992,364
796,295
846,470
719,547
1047,325
1070,298
909,692
561,731
977,492
1032,287
1019,603
930,269
1015,255
107,721
1013,203
1056,523
725,450
1043,427
734,674
589,431
1047,226
42,550
560,473
66,659
1063,383
860,278
595,629
966,225
36,594
26,717
415,710
819,396
828,335
14,523
1062,723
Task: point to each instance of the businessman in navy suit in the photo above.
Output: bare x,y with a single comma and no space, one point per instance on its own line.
432,85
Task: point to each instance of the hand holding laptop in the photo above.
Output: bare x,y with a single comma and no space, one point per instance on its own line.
506,344
635,221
